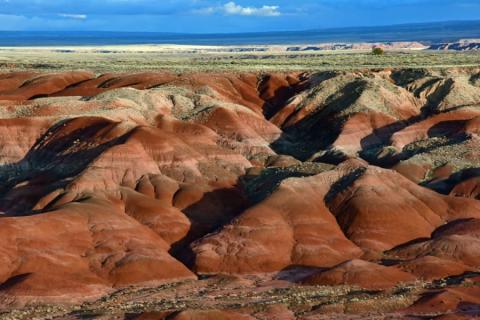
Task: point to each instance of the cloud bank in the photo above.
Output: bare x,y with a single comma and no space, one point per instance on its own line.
233,9
73,16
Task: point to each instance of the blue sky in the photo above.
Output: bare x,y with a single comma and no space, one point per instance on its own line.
214,16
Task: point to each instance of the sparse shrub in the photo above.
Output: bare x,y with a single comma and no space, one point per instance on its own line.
378,51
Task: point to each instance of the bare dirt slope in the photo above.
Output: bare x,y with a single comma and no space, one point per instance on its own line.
240,196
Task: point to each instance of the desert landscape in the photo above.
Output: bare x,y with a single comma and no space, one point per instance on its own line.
220,185
232,59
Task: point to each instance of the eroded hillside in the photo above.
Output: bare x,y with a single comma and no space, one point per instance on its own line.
365,179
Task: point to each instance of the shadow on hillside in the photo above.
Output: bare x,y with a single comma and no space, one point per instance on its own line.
13,281
281,95
213,211
318,130
445,186
311,135
63,152
450,130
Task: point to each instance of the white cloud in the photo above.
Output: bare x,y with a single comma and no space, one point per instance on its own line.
235,9
73,16
231,8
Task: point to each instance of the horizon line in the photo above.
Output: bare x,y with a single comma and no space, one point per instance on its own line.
257,32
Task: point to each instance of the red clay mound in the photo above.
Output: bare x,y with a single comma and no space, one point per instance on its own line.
361,131
433,268
276,90
369,204
260,94
291,227
82,250
469,188
362,274
452,300
379,209
13,80
42,85
457,241
108,81
211,315
444,124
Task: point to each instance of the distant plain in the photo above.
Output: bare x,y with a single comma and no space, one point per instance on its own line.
138,58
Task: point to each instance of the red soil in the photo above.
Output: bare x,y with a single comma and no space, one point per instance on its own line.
138,179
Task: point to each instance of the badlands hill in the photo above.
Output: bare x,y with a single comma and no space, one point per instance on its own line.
240,195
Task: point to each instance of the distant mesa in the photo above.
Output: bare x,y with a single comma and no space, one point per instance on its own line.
462,45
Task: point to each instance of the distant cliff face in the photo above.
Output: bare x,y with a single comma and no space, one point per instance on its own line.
462,45
368,178
411,45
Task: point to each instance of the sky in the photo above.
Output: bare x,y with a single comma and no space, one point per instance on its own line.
216,16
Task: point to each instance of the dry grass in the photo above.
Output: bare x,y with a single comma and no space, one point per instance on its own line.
184,61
